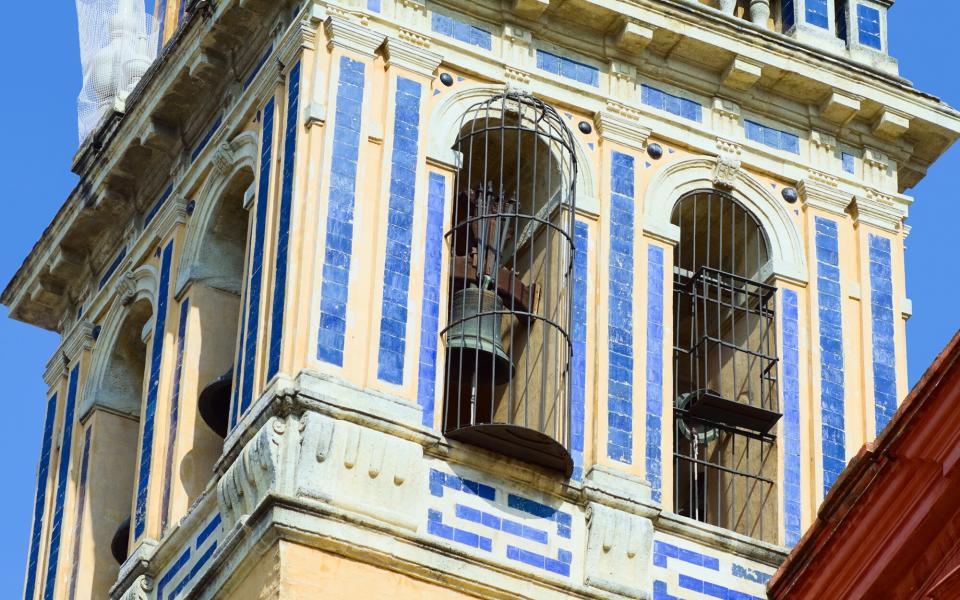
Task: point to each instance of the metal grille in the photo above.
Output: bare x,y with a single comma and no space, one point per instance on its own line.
508,348
725,368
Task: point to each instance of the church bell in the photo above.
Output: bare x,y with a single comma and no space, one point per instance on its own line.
474,343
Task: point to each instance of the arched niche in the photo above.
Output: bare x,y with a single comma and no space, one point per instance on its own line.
679,179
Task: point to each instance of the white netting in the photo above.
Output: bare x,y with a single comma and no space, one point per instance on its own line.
117,44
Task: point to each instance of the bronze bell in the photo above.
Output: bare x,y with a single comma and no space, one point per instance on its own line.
214,403
120,542
474,341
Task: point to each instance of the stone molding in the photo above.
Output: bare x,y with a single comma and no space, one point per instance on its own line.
353,37
619,551
530,9
302,36
634,36
820,195
410,57
621,124
742,73
77,341
879,210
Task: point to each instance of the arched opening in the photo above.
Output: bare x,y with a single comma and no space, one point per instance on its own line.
725,367
214,295
114,419
508,348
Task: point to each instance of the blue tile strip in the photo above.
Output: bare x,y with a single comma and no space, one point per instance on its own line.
63,471
201,562
153,387
751,575
563,520
206,138
849,162
192,549
174,415
152,213
255,282
40,499
558,566
436,527
396,268
829,299
787,15
677,105
567,68
868,25
161,24
884,352
440,480
790,327
654,375
817,13
774,138
501,524
112,268
660,591
620,324
578,398
464,32
713,590
373,5
283,227
663,551
339,234
257,68
78,519
430,308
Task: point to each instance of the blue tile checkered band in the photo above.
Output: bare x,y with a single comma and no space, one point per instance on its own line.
829,300
248,366
205,140
192,561
868,26
152,213
578,387
40,499
396,267
683,569
153,388
817,13
774,138
790,376
283,227
676,105
430,307
63,470
257,68
787,15
78,517
567,68
343,192
522,530
654,377
620,324
884,353
112,268
174,414
849,162
464,32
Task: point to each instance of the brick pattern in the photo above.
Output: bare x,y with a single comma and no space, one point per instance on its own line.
831,350
283,226
40,499
620,324
339,235
430,307
884,353
63,470
578,385
790,378
174,415
248,367
191,562
684,569
500,523
396,268
153,388
654,374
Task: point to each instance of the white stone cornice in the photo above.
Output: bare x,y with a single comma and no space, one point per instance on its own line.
621,124
891,124
56,370
635,36
742,73
301,37
818,193
839,107
879,210
530,9
79,339
406,56
172,215
352,37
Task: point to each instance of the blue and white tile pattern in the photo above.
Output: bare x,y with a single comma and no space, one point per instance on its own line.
430,307
884,352
654,375
790,378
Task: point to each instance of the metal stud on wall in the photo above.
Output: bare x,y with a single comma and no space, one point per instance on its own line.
508,346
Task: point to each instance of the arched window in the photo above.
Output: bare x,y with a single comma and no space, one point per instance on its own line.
725,368
508,348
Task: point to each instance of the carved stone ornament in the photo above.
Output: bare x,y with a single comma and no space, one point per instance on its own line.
224,158
140,590
726,171
619,551
253,475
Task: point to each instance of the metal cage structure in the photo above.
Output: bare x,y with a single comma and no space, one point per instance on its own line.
511,249
725,368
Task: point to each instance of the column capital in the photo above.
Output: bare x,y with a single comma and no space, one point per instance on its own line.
409,57
303,36
351,36
621,124
880,210
818,192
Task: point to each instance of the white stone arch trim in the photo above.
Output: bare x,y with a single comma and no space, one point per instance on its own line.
135,287
673,182
240,154
444,126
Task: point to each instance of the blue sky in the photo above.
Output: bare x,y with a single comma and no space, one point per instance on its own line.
41,70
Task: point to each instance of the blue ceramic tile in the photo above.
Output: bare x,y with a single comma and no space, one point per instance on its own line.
567,68
882,316
682,107
791,413
579,335
114,265
40,499
654,377
868,25
464,32
816,13
774,138
205,140
152,213
174,414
